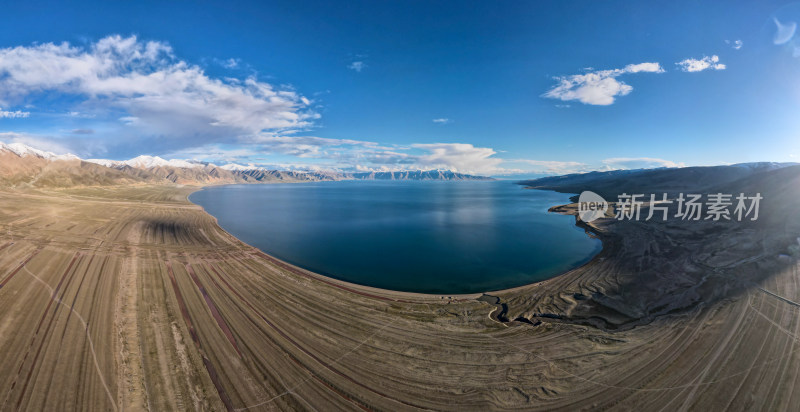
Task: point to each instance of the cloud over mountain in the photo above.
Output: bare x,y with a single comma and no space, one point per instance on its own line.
140,88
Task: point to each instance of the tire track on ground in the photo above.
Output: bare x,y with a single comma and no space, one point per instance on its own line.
88,336
298,272
53,297
24,262
213,308
316,358
212,372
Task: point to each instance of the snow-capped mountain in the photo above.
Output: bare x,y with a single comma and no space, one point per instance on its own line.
25,165
146,162
157,169
23,150
238,167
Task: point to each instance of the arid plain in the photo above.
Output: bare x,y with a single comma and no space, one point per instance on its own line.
132,298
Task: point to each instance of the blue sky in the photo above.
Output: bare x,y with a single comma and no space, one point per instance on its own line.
499,88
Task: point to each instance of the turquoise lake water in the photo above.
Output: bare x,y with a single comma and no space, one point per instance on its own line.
415,236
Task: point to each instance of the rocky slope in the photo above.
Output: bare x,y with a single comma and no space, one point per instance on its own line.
670,266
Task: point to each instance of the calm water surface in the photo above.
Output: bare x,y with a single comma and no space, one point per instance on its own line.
433,237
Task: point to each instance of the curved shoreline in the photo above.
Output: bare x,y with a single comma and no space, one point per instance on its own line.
396,295
607,248
364,290
250,332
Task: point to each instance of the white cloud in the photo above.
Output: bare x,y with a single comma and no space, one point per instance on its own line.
169,98
13,115
304,146
547,166
366,156
638,163
593,88
599,87
695,65
357,66
213,153
168,107
230,63
783,32
81,115
459,157
35,141
736,44
643,67
344,151
316,153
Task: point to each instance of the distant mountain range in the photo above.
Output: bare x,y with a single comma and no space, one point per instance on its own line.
702,179
414,175
22,165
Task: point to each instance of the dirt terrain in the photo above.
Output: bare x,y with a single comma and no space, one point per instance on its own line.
132,298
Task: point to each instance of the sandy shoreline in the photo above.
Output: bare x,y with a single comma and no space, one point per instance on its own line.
216,325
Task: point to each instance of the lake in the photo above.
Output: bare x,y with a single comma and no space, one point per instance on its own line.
415,236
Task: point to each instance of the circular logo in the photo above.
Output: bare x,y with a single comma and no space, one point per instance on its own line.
591,206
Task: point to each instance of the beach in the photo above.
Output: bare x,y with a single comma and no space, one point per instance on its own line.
133,298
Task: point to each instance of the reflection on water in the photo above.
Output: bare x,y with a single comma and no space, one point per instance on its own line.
437,237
